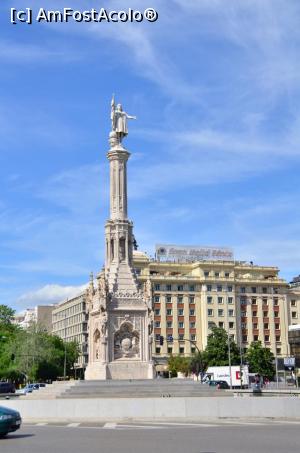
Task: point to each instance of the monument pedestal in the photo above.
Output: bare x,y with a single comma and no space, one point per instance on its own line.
96,371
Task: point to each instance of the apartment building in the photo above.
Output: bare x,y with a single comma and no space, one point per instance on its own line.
69,322
249,301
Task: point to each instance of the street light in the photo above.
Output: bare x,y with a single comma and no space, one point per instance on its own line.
228,343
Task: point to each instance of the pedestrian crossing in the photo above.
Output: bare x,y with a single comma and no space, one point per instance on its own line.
167,425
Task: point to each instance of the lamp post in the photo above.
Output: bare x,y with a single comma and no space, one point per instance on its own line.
228,343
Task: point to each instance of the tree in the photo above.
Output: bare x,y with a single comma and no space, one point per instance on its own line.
179,364
198,363
6,315
260,359
216,351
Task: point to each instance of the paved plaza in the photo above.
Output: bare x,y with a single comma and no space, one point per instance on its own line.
220,436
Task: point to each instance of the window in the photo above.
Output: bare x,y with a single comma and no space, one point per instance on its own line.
168,299
181,336
293,303
181,324
275,290
191,299
243,313
277,326
243,289
267,338
193,337
231,325
180,288
266,325
206,273
277,338
210,312
254,314
221,324
253,301
157,287
220,300
255,337
209,299
170,350
220,312
275,301
211,324
254,325
181,350
192,288
265,301
294,314
192,312
179,299
157,311
157,337
192,325
226,274
265,314
245,338
219,288
157,350
193,350
157,323
230,300
231,312
217,274
253,289
243,325
168,287
156,298
265,290
180,311
169,311
243,300
208,287
278,350
169,324
229,289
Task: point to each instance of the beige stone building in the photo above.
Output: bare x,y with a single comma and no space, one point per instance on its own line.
251,302
69,322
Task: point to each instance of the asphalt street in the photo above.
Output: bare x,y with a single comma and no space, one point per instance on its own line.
211,437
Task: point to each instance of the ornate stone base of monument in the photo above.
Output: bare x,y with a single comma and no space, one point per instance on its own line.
120,370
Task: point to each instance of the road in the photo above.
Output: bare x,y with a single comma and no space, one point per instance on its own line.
211,437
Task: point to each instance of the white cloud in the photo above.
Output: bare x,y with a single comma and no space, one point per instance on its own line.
48,294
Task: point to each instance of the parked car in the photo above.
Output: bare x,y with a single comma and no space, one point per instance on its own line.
10,421
24,390
219,384
7,387
37,385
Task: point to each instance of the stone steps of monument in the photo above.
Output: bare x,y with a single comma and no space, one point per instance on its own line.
139,389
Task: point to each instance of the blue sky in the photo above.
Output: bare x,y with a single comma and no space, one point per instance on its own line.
215,85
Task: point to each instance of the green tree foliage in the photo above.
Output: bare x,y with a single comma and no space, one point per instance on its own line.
6,315
198,363
260,359
216,351
179,364
32,354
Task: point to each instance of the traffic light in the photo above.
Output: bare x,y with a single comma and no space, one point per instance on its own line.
161,340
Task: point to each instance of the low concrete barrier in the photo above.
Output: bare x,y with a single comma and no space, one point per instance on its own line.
155,408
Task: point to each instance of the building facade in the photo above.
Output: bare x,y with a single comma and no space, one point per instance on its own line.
69,322
250,302
40,315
